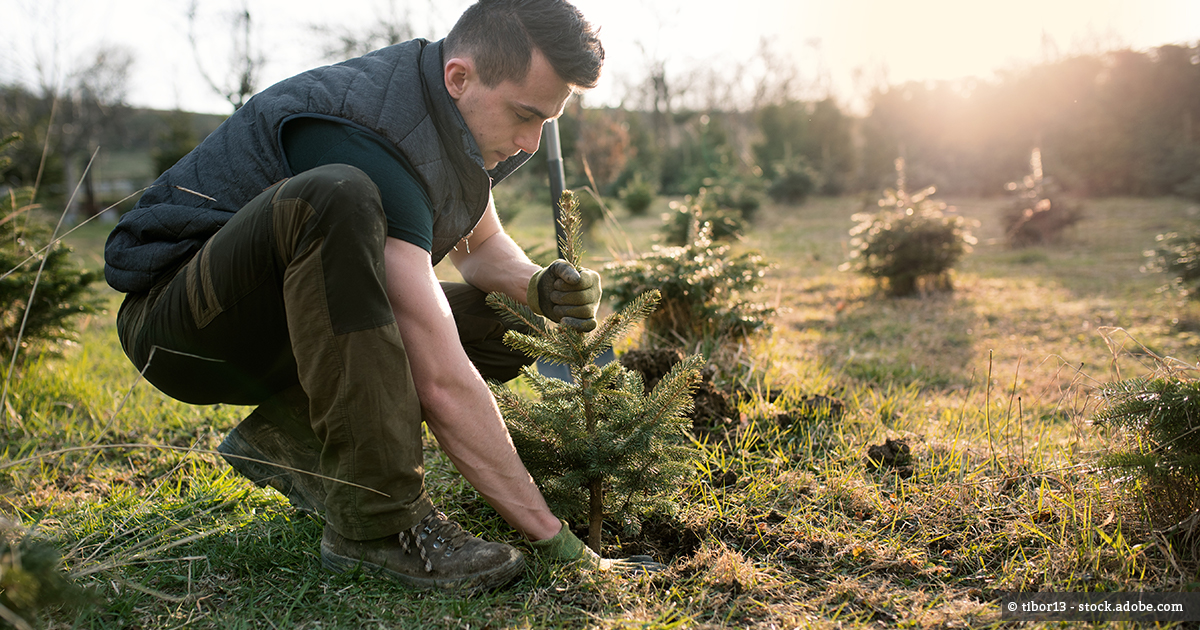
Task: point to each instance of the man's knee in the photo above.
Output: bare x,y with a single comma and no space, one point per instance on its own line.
340,193
336,175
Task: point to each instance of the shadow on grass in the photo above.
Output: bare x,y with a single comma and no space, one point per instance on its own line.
920,341
264,571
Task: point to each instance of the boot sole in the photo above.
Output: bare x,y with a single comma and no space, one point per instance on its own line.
264,475
485,580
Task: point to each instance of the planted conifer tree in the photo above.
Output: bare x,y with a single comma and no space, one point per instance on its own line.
707,291
1038,215
598,445
41,287
1159,418
910,242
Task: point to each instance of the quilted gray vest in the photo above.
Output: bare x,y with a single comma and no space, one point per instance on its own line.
396,92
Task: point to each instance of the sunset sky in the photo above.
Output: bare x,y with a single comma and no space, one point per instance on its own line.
844,46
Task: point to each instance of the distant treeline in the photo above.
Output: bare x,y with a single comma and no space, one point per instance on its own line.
59,136
1118,123
1121,123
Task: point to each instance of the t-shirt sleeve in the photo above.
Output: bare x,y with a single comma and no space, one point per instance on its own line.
309,142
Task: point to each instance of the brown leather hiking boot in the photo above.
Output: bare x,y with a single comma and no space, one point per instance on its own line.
435,553
255,443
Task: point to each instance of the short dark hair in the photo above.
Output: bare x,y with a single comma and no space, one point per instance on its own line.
500,35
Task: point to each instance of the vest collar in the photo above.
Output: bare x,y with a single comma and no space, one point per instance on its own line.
455,134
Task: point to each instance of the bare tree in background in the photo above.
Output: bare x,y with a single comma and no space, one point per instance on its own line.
654,93
65,121
241,79
660,99
344,42
71,102
93,104
777,78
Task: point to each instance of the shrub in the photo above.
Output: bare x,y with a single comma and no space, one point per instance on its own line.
1159,420
728,186
793,183
31,578
743,195
683,219
62,287
1038,214
910,243
1178,255
707,293
637,195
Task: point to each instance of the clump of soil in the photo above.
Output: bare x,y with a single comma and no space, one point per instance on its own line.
653,364
892,454
711,408
665,539
723,478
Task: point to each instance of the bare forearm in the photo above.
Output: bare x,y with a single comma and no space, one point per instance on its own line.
470,430
498,264
457,403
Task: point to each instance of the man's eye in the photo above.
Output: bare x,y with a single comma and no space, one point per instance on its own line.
524,118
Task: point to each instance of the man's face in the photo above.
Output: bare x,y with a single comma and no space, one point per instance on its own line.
507,118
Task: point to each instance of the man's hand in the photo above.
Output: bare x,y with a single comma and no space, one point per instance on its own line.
565,295
566,547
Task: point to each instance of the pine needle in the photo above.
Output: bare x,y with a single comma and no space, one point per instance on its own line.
570,245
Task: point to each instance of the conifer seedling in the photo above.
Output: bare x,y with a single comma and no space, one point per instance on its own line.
598,445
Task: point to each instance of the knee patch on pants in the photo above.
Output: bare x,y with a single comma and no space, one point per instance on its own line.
336,210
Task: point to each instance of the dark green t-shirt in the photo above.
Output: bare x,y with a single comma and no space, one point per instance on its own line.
309,142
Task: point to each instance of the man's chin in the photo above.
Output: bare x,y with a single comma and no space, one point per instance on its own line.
494,160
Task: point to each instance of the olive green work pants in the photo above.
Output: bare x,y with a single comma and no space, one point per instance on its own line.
286,308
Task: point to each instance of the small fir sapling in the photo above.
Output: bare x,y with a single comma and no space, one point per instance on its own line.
1038,214
1179,255
32,579
681,225
707,291
910,242
32,265
598,445
1158,419
637,195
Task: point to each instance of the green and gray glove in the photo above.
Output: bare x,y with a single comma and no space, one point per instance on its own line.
565,546
565,295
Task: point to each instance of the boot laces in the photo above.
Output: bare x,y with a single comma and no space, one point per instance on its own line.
434,534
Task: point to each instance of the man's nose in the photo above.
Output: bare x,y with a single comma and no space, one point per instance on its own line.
529,139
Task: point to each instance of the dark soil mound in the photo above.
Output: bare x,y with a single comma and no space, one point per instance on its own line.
664,539
711,408
652,364
892,454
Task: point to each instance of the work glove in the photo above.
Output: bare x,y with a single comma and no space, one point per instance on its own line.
565,295
565,546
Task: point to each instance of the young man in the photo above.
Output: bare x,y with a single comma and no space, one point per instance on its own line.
287,262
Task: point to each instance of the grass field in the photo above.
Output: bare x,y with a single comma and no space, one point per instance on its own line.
991,387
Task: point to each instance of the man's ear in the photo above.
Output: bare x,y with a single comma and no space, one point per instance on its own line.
458,73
